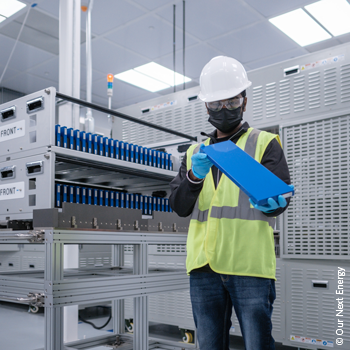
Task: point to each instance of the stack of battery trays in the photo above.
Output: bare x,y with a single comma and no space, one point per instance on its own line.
109,198
96,144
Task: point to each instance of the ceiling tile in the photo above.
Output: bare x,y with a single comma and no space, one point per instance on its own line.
27,83
275,59
153,4
110,14
110,58
9,74
196,58
150,37
24,56
207,19
271,8
47,70
255,42
50,6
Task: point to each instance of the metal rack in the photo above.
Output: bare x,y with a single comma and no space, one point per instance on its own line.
33,160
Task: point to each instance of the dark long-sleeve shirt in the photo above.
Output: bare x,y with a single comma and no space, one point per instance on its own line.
184,193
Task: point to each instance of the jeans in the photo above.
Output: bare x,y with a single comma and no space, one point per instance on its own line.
212,297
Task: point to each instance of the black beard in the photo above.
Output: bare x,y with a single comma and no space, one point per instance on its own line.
226,120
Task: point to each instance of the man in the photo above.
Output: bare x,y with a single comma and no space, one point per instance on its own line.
230,246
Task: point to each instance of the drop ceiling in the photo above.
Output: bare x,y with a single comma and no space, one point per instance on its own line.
130,33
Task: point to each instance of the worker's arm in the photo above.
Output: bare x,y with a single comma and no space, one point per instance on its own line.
184,191
274,160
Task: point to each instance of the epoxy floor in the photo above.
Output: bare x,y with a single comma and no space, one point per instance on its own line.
21,330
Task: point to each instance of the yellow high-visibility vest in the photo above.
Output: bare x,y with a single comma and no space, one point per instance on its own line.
226,231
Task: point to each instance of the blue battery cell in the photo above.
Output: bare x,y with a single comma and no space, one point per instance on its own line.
106,146
145,205
150,205
83,141
137,157
89,148
136,201
145,156
170,162
121,150
159,201
83,196
64,141
117,199
116,144
127,152
155,158
89,196
162,160
141,202
121,199
64,193
101,197
106,198
110,148
58,195
111,199
58,135
162,206
100,145
70,138
77,141
141,155
95,197
159,159
127,200
77,194
256,181
132,200
154,203
166,205
132,153
95,144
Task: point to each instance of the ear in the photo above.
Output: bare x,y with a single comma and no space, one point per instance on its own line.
207,108
245,104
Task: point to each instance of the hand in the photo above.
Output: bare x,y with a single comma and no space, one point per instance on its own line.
200,165
271,205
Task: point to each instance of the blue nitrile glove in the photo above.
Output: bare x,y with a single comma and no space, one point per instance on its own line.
200,164
271,205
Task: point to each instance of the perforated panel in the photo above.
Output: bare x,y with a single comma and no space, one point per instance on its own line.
317,221
184,115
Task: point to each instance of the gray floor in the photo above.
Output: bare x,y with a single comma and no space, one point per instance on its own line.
20,330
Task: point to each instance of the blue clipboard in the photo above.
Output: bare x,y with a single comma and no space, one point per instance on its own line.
256,181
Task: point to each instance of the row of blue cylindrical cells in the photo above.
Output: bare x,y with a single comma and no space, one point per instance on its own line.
110,198
104,146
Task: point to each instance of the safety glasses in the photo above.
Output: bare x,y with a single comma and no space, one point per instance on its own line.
232,103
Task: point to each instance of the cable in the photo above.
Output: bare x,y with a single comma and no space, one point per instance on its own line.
13,49
97,327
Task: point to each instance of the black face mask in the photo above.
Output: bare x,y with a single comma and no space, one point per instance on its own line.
226,120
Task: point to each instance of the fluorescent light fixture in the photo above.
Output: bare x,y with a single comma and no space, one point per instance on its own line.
2,18
334,15
10,7
300,27
143,81
152,77
156,71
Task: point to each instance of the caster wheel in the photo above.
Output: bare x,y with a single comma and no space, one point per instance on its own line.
33,309
187,338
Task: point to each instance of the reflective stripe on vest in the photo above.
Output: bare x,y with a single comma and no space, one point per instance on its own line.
243,210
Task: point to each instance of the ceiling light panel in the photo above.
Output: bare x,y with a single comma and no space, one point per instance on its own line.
162,74
140,80
300,27
332,14
10,7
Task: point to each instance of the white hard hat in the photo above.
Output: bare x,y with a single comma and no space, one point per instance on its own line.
221,78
